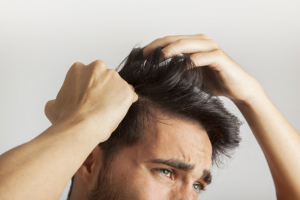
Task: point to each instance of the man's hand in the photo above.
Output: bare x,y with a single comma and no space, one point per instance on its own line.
279,141
89,106
93,93
223,75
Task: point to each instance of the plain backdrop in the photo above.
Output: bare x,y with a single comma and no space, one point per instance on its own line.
40,40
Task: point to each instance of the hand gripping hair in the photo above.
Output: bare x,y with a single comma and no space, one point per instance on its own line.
173,86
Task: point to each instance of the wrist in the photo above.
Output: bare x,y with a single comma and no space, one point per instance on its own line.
254,93
257,103
81,131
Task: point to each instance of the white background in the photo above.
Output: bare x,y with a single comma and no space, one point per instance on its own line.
40,40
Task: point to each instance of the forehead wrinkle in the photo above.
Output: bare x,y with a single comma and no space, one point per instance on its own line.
174,137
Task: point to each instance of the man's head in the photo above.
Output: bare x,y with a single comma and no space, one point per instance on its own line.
165,145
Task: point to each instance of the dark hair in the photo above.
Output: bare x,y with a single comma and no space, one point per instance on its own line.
173,86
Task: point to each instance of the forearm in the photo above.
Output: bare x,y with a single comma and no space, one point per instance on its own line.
41,168
279,141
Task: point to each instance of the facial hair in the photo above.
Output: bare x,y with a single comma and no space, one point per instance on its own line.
105,189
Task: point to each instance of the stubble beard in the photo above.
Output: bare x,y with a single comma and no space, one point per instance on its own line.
105,189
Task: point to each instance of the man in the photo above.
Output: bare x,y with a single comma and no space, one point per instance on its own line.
170,161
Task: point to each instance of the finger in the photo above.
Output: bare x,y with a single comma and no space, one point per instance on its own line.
168,40
211,59
73,69
189,46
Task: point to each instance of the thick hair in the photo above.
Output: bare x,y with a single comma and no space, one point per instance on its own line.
174,86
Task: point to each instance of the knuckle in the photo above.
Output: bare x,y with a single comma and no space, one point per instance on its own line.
99,62
158,39
130,87
48,106
219,52
112,73
96,70
218,56
181,41
214,43
127,88
98,66
129,91
204,36
168,38
77,65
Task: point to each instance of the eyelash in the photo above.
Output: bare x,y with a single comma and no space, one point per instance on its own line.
202,189
163,169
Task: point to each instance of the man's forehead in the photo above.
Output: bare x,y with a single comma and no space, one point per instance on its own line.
175,138
168,129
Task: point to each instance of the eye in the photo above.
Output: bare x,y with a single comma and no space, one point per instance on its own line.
166,172
197,187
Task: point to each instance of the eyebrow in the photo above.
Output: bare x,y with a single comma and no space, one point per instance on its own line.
206,175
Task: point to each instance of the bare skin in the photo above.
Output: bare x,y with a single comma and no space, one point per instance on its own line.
279,141
65,147
142,171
